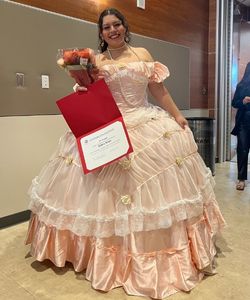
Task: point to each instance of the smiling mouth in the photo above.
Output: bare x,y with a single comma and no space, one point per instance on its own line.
114,36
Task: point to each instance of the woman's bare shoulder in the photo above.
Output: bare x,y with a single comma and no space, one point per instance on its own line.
143,53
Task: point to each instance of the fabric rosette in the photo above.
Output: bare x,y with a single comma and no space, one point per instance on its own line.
79,63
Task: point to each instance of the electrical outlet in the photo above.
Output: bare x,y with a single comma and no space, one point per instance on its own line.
20,79
45,81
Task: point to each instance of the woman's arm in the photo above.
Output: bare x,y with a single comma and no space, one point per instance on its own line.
162,96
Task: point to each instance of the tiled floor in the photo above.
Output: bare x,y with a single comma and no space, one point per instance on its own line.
21,277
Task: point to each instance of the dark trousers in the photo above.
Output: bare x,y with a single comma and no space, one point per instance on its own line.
243,146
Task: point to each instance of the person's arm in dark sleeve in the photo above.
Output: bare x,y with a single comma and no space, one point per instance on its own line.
238,98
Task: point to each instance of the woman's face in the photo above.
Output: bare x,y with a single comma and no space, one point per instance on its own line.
113,31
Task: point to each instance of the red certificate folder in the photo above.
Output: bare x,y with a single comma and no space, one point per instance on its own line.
97,124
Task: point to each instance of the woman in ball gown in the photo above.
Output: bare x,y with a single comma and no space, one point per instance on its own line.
147,222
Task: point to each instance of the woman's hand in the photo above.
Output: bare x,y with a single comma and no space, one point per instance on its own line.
78,88
90,75
97,76
246,100
181,121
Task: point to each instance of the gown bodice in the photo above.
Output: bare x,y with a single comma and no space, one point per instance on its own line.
128,82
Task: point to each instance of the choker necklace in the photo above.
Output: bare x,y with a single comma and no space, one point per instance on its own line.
113,49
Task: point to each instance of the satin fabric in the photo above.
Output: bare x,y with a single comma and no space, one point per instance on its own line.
154,263
146,222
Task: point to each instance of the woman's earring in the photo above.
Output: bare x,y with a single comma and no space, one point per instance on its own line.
126,38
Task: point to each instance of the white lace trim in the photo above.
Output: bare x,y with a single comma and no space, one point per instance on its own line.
133,220
36,200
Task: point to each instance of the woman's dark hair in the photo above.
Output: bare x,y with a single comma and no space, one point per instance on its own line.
112,11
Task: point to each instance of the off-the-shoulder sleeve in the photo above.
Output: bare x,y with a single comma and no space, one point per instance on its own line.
159,72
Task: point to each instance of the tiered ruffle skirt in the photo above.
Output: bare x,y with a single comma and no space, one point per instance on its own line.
146,222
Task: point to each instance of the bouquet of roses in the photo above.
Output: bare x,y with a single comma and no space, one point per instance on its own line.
79,63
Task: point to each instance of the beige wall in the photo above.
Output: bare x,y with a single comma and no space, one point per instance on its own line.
37,56
26,145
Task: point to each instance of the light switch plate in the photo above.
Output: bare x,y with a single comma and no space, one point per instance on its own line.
45,81
141,4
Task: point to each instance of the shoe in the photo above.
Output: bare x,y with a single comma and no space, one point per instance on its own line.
210,270
240,185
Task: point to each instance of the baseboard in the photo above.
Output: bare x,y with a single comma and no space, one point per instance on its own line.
14,219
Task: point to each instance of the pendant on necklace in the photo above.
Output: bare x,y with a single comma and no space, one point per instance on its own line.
121,65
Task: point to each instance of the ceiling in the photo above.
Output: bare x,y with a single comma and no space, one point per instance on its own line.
245,2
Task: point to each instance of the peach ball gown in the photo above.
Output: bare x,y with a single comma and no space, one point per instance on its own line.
145,223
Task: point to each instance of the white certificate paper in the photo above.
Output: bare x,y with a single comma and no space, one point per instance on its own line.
104,145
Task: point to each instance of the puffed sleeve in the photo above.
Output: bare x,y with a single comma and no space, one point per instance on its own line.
159,72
